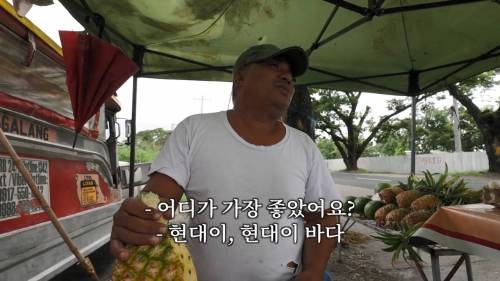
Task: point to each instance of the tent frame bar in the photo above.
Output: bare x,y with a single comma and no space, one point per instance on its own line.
468,62
155,73
479,58
344,30
418,7
316,45
98,19
377,11
356,80
208,66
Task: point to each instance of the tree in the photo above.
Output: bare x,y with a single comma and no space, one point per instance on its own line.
470,134
394,137
336,115
434,132
148,144
327,148
487,120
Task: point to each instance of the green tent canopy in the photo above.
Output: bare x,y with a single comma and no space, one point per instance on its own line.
397,47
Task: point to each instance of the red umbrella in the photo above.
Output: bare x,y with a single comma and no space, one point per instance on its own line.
95,69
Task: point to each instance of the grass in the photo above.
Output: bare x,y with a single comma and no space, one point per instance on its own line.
359,170
470,174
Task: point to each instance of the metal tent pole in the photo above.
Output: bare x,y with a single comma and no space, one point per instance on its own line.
138,58
413,90
413,132
132,139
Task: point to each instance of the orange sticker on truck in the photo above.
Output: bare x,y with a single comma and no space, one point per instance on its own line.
89,192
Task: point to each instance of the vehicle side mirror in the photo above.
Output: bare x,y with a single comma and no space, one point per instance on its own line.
128,131
117,130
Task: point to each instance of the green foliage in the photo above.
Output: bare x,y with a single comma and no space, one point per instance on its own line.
399,243
434,132
481,82
411,183
123,152
437,130
327,148
472,140
148,144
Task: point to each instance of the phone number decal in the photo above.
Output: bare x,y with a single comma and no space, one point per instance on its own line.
16,198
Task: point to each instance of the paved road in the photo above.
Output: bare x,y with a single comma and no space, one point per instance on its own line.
369,180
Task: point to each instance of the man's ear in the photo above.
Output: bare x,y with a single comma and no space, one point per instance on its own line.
239,77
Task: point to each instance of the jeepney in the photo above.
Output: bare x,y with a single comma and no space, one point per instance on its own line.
81,183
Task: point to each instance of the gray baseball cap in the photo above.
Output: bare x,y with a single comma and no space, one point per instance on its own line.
295,56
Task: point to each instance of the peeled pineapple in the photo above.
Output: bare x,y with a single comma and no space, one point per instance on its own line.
166,261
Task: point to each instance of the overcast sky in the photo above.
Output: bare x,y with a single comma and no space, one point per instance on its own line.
164,103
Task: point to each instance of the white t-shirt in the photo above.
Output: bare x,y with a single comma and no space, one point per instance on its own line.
207,158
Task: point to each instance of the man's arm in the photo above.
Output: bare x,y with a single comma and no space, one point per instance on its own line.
133,225
315,255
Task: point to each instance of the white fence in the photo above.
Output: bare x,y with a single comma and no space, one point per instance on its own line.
457,162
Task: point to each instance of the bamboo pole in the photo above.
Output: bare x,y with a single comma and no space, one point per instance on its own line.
85,263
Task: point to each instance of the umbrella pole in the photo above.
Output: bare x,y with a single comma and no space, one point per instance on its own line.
85,263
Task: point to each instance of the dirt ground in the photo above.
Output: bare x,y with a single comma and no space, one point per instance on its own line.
355,262
362,259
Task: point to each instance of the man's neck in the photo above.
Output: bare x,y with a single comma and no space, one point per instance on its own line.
256,128
254,121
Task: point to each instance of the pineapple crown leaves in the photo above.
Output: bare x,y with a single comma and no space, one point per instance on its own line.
411,184
450,191
455,193
429,184
473,196
399,243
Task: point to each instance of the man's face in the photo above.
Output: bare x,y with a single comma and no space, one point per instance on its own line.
268,84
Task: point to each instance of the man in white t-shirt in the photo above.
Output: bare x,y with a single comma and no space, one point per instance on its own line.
247,157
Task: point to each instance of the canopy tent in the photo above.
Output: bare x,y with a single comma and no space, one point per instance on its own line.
369,45
396,47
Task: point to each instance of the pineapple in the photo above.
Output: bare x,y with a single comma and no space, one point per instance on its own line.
416,217
394,217
167,261
425,202
387,196
382,212
405,198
